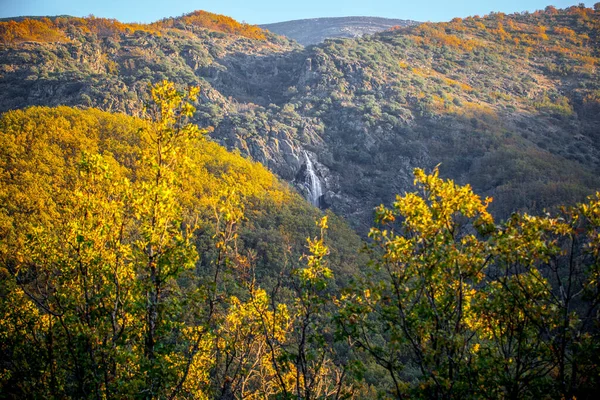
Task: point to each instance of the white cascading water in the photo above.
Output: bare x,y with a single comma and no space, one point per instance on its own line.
313,183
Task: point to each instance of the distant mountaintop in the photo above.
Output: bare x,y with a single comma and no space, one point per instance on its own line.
316,30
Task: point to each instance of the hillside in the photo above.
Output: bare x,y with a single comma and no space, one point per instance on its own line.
41,156
147,252
508,103
316,30
138,257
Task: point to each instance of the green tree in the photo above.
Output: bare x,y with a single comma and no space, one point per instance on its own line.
164,248
422,311
460,307
298,330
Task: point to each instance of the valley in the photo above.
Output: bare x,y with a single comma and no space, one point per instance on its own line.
494,100
199,208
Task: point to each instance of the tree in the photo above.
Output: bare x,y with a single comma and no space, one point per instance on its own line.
300,336
316,375
96,272
164,248
461,307
432,262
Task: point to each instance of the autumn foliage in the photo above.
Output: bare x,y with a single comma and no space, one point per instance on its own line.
56,29
215,22
42,30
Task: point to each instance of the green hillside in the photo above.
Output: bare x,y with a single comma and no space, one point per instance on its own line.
500,105
508,103
82,190
140,259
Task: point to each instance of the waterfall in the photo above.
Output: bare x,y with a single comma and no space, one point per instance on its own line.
312,182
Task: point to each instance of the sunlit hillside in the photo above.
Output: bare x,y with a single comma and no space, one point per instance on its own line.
508,103
200,209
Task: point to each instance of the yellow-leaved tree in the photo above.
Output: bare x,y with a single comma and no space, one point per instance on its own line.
91,260
460,307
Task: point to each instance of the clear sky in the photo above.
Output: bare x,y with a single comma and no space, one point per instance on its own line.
266,11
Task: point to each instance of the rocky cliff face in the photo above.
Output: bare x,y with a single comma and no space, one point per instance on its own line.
516,116
316,30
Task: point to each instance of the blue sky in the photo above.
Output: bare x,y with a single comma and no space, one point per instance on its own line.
266,11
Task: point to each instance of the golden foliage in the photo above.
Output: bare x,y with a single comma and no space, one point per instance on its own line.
31,30
216,22
55,30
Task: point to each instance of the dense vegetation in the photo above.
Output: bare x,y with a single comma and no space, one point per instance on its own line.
508,103
140,260
60,28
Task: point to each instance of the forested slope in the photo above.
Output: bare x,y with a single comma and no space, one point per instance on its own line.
507,102
124,244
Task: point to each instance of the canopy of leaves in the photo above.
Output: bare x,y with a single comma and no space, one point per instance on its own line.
508,103
58,29
459,307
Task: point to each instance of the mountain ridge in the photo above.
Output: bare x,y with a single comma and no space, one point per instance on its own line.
508,103
315,30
